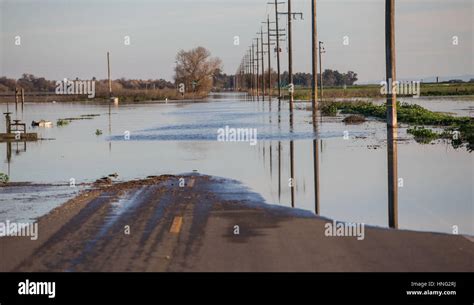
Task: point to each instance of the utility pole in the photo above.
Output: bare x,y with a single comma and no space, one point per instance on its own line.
258,68
390,61
262,52
108,73
269,61
278,48
391,114
291,15
321,51
246,71
249,77
290,57
314,40
252,69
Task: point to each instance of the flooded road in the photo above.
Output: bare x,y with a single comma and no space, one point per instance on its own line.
139,140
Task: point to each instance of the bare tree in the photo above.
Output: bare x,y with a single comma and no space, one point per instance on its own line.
195,69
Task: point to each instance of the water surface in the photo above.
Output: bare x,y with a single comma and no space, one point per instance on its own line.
176,138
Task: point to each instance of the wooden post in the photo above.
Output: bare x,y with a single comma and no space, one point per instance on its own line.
22,97
392,157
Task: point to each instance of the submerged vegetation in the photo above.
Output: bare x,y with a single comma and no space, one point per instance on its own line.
66,121
62,122
459,129
4,178
423,135
354,119
328,109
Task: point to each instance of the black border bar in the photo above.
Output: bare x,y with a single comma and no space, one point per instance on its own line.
237,288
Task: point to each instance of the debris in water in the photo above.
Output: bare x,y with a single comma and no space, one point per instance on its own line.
42,123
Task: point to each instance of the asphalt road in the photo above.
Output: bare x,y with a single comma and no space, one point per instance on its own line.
158,225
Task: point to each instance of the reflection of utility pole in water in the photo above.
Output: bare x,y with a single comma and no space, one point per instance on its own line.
392,152
279,171
316,166
391,114
292,173
271,161
292,166
110,128
9,155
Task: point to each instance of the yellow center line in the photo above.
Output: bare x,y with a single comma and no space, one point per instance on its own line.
176,225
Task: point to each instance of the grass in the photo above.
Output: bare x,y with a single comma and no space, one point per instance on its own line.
127,95
423,135
373,91
98,132
328,109
416,115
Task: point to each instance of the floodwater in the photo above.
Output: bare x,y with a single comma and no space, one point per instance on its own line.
435,191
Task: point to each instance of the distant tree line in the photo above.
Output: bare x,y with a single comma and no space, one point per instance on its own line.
300,79
29,82
330,78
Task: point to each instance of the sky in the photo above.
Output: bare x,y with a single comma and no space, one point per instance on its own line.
70,38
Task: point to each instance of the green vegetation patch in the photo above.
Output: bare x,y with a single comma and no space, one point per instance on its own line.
423,135
4,178
459,129
62,122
